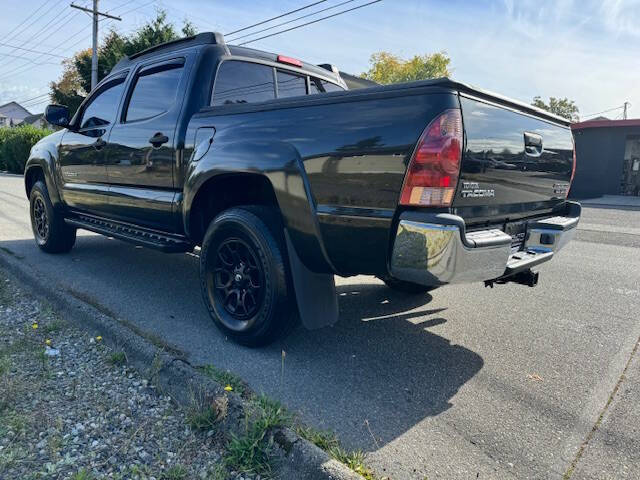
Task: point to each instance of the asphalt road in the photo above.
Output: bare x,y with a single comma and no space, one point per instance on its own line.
465,383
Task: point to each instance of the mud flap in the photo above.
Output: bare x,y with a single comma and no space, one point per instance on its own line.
315,292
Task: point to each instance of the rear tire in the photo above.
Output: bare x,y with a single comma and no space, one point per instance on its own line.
50,231
244,276
406,287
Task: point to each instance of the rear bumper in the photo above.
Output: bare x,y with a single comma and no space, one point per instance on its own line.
435,249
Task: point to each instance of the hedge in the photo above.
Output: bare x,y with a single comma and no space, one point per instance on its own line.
15,145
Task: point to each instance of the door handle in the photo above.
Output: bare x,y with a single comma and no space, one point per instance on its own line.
99,143
158,139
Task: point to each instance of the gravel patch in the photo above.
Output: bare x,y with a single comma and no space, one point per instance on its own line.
70,408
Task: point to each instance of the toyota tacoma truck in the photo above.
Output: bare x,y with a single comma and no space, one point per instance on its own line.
283,178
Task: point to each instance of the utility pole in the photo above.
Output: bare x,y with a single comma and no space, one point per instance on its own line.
94,56
624,112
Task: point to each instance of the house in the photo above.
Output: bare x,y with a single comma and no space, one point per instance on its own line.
608,158
37,120
12,114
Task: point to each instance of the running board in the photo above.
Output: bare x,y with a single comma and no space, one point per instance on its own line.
133,234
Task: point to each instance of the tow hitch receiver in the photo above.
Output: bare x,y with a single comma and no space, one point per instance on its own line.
525,277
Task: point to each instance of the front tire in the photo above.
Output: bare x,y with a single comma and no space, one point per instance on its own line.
244,277
50,231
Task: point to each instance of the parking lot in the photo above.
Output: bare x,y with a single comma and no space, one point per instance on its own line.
468,382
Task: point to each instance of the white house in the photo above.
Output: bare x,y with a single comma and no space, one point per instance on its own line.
12,113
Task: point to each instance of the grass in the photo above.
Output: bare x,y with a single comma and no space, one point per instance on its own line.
177,472
250,452
224,378
83,475
117,359
206,413
328,442
5,298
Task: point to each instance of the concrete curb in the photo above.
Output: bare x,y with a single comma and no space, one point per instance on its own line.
173,375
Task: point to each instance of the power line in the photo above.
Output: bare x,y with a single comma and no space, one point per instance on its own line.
23,68
30,50
291,21
30,99
34,20
310,23
276,17
56,27
29,17
604,111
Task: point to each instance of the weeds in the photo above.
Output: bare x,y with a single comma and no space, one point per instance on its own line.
206,413
83,475
250,453
117,359
177,472
328,442
225,378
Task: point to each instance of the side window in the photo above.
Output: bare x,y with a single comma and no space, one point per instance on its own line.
154,92
322,86
103,106
291,85
243,82
331,87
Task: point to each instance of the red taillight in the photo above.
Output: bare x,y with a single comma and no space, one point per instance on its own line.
433,171
289,61
573,171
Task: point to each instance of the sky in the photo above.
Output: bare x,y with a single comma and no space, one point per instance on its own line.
586,50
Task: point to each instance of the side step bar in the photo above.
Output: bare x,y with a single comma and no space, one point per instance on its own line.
133,234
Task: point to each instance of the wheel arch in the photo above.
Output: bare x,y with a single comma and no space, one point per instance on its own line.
276,175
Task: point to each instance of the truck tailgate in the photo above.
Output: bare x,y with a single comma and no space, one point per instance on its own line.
515,164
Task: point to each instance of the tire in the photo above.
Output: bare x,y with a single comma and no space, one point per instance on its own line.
50,231
406,287
244,276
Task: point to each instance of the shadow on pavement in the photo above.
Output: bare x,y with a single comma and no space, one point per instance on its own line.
372,377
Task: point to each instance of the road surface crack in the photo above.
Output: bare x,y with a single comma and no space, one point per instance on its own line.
567,475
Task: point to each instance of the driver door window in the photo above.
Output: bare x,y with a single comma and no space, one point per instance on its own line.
82,153
103,106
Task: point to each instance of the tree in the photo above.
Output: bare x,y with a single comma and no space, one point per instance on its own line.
75,82
560,106
388,68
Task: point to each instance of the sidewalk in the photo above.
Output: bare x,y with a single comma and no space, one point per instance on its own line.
612,201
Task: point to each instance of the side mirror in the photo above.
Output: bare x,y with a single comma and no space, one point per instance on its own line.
57,115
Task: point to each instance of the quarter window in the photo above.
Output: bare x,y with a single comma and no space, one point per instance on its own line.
243,82
291,85
322,86
154,92
103,106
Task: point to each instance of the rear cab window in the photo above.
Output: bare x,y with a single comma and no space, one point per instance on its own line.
155,91
240,81
291,84
243,82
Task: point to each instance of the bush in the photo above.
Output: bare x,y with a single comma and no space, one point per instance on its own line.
15,145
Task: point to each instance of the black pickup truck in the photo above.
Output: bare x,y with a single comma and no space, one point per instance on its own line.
284,178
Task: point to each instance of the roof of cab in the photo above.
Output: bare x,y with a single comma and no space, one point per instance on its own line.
204,38
215,38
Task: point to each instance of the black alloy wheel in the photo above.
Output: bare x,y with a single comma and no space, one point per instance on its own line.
51,232
40,220
237,279
244,275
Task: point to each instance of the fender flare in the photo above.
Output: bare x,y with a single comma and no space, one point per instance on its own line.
280,163
41,157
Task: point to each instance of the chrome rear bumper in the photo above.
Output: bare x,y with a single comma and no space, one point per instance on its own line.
435,249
